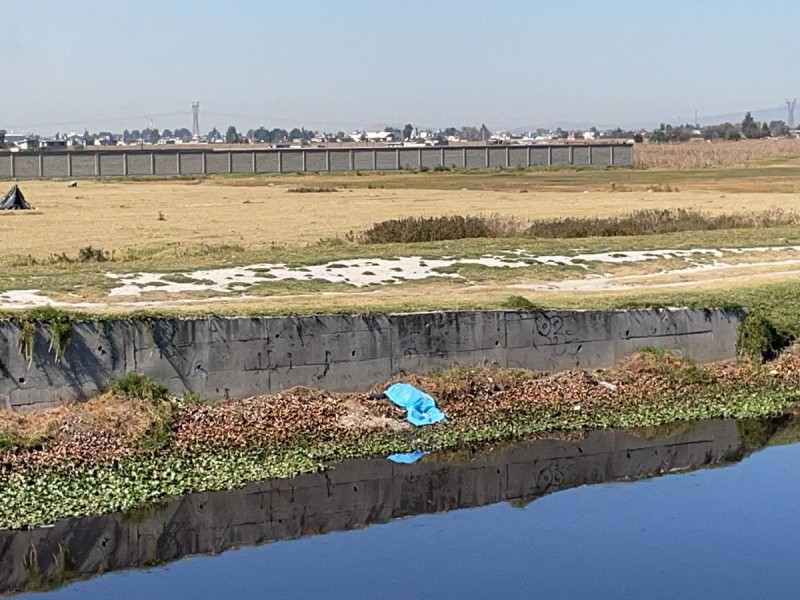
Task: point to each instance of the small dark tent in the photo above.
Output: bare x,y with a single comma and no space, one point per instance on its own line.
14,200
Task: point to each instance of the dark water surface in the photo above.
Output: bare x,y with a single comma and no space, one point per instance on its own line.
731,532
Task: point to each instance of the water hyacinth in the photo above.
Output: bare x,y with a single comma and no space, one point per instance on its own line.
83,461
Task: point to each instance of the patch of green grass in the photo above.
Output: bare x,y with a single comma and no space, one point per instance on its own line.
675,368
296,286
158,400
521,303
192,398
759,340
183,278
140,387
11,441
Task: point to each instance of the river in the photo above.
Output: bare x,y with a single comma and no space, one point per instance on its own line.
609,514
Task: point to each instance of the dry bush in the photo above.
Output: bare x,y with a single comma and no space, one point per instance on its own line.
435,229
703,155
312,190
640,222
654,221
110,415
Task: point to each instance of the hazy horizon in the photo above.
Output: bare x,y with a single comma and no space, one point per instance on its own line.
363,64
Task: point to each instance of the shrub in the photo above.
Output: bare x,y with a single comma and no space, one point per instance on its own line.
312,190
520,303
640,222
141,387
759,340
89,254
426,229
654,221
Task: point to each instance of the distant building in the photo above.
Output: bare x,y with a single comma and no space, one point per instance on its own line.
28,144
52,143
12,139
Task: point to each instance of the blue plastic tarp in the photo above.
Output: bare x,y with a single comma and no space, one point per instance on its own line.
421,408
406,458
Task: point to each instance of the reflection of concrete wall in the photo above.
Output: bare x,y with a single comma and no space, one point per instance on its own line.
352,495
237,357
89,163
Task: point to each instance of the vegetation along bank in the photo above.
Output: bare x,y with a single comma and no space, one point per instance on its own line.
137,443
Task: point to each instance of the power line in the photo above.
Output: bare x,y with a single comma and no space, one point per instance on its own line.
97,121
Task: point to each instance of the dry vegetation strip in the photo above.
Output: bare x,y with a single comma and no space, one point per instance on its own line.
119,425
637,223
705,155
116,217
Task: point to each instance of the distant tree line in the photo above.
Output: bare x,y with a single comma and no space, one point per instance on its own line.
749,129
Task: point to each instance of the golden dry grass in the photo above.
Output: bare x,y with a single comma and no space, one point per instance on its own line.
126,418
254,213
704,155
118,216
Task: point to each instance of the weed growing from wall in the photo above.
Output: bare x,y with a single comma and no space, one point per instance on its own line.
58,324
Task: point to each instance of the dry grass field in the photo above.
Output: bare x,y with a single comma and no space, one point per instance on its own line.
223,222
255,213
705,155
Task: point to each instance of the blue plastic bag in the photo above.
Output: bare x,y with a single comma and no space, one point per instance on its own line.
421,408
406,458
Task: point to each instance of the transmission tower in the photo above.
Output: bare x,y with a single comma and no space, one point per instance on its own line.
790,107
195,119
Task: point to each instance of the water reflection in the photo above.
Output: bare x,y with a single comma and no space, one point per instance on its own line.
356,494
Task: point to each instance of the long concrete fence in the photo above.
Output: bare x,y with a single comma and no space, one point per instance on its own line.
353,495
165,163
219,357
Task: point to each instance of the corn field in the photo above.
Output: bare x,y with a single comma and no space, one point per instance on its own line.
702,155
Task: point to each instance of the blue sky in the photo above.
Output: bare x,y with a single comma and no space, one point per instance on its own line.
330,64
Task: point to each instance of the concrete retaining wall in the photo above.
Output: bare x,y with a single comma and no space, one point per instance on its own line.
351,496
172,162
237,357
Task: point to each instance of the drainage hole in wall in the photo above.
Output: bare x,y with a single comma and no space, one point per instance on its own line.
22,380
198,367
353,353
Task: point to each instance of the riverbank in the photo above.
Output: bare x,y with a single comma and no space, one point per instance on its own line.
137,444
357,494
